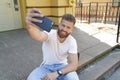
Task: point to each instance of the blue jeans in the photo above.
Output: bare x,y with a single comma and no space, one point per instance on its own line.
41,71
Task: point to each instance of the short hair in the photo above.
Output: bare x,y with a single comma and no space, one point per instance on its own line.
69,17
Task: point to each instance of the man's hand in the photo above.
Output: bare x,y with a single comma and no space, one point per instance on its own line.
51,76
34,30
31,14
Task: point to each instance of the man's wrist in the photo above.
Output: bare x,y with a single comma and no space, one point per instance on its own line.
60,73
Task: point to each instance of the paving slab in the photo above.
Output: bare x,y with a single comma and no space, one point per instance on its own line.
19,55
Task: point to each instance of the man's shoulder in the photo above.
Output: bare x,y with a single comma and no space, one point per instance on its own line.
72,37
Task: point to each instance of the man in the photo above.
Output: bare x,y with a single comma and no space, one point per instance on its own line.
60,58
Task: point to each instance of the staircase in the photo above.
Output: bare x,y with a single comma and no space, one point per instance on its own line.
102,66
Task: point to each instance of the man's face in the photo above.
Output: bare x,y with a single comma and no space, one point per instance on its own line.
65,28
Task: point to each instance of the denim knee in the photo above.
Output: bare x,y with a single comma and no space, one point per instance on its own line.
71,76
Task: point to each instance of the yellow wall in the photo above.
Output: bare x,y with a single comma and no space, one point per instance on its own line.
23,11
60,11
51,8
62,2
38,2
96,0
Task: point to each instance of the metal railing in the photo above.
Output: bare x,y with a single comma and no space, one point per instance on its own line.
103,12
118,30
97,12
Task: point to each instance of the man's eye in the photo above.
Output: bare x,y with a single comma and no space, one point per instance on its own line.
63,25
68,27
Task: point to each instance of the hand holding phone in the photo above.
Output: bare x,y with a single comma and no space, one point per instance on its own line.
46,23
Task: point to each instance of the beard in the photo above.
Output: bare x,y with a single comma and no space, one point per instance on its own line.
62,33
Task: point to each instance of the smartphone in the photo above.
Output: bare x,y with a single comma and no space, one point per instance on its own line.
47,23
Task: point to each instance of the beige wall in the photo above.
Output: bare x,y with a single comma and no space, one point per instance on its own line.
38,2
23,11
51,8
96,0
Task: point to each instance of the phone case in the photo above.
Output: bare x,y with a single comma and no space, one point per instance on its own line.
46,24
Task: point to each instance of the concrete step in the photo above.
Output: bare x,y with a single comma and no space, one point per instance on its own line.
91,54
100,68
115,75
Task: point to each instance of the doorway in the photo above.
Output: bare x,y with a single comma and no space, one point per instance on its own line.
10,15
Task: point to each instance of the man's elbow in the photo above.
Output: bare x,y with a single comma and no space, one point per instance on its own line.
75,67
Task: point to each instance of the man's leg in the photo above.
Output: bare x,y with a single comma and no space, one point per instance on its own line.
71,76
38,73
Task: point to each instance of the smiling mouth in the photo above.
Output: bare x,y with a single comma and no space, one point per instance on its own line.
64,32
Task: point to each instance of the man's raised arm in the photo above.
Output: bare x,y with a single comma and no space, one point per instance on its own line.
34,30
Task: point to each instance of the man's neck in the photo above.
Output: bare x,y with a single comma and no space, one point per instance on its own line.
61,40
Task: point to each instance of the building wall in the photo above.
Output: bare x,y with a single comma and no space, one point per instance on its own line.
96,0
60,7
51,8
39,4
23,11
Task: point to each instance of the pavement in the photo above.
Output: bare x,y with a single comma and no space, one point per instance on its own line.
20,54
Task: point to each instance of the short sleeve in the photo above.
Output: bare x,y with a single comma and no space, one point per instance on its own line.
73,47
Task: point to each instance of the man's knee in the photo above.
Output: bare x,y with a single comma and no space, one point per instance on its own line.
71,76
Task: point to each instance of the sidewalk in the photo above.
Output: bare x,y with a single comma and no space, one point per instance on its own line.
93,40
19,54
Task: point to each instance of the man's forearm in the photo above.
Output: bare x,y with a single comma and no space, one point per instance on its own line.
72,64
69,68
34,30
36,33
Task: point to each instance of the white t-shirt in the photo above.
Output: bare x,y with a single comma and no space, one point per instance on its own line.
55,52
